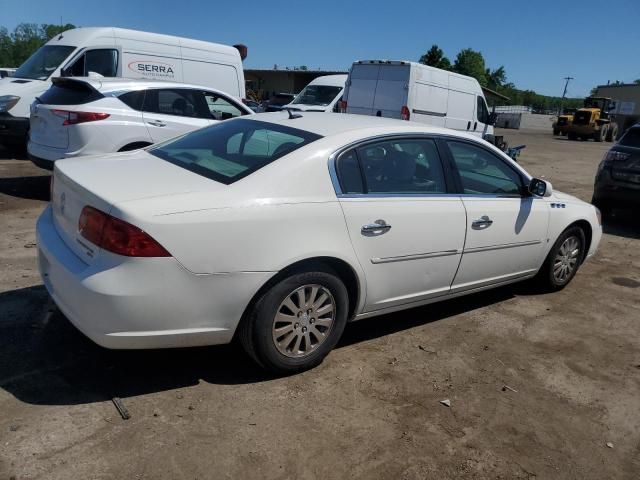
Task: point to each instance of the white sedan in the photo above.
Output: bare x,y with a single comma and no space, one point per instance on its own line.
282,227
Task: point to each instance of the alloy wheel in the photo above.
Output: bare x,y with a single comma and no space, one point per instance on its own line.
303,320
566,259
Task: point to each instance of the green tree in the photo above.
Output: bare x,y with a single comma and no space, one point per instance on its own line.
435,58
26,38
496,78
637,81
471,63
6,45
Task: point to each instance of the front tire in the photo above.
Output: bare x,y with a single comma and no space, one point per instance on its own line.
296,323
564,260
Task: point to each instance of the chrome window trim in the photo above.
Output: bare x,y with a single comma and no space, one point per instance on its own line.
333,172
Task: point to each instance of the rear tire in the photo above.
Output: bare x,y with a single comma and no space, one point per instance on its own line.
556,132
563,260
296,323
612,134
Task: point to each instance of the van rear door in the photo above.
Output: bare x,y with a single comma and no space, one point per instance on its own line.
461,105
362,88
392,90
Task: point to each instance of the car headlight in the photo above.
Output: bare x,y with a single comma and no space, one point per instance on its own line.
7,102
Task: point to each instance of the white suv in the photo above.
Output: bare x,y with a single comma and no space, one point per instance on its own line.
86,116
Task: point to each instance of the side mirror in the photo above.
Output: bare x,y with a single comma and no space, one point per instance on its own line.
493,116
540,188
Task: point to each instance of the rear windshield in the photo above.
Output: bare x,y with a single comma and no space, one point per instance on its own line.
69,93
631,138
231,150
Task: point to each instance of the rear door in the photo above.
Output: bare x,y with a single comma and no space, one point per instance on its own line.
362,88
169,112
392,90
407,233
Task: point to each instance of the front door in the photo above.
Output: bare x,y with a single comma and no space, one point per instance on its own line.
406,231
506,228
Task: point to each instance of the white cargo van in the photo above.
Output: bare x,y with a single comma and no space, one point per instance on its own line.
412,91
321,95
115,52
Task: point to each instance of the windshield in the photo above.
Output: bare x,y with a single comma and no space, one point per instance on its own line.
317,95
44,62
229,151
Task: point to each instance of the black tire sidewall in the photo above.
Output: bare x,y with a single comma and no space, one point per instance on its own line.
549,278
265,350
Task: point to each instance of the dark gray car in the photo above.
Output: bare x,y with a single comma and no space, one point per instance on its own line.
617,183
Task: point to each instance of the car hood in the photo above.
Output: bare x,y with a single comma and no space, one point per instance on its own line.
303,107
123,177
24,88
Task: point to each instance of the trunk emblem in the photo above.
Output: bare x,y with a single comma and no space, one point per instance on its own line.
63,200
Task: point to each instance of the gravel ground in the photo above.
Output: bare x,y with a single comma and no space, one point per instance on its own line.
541,385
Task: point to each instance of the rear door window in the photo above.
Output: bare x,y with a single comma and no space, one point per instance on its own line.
182,102
229,151
134,100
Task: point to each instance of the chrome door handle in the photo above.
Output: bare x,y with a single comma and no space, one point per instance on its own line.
156,123
376,228
482,223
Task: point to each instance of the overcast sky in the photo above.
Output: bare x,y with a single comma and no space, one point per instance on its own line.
538,42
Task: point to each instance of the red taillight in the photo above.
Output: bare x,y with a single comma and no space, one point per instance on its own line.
343,106
73,118
117,236
404,113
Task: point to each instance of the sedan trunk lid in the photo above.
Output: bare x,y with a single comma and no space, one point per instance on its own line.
102,182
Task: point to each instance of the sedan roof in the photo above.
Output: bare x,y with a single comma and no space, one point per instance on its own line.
112,84
327,124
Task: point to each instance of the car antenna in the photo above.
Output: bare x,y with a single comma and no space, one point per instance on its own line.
292,115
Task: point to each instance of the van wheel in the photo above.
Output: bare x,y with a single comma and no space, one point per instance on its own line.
134,146
296,323
563,260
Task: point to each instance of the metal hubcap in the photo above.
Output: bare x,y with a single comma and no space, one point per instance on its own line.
303,320
566,259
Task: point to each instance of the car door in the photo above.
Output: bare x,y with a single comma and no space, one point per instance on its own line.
169,112
407,232
506,227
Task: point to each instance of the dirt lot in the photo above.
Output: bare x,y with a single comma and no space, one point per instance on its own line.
372,409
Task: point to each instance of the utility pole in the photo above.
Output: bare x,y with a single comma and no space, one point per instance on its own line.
564,94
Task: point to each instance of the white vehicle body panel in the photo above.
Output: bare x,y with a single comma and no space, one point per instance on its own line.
227,241
141,55
433,96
